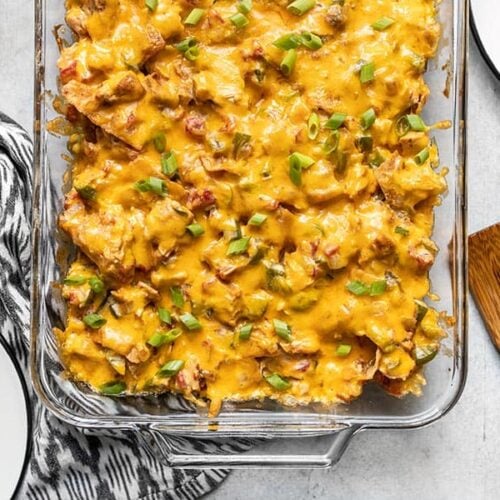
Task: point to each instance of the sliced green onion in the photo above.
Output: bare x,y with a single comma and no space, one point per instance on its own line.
383,23
172,335
367,72
282,329
364,143
357,287
152,184
401,230
237,234
376,159
75,280
192,53
287,42
245,331
169,164
161,338
239,20
378,288
171,368
258,255
300,7
278,382
164,315
343,350
112,388
151,4
332,142
186,44
257,219
295,173
402,126
190,322
239,246
86,192
368,119
156,340
160,142
313,126
409,122
288,62
335,121
239,141
245,6
302,160
195,229
424,354
194,17
298,162
416,123
177,296
422,157
96,284
188,47
422,310
311,41
94,320
340,159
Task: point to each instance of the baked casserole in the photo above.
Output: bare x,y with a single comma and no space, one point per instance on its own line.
252,198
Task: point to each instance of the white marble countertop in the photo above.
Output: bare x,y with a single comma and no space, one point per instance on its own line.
455,458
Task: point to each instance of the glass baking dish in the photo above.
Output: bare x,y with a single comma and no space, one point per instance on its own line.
169,424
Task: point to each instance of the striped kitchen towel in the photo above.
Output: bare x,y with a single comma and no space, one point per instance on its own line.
67,464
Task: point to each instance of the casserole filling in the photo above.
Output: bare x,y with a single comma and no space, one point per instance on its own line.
252,195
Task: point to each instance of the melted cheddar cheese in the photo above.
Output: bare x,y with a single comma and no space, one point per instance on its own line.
252,198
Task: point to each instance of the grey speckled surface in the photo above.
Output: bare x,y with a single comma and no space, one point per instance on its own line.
457,457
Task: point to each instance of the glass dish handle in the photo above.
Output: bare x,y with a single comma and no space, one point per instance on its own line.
180,452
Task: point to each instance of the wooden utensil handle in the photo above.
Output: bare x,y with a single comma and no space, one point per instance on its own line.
484,277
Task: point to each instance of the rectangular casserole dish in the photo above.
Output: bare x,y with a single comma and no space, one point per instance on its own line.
167,422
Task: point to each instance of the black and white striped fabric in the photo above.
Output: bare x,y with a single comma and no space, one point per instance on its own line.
67,464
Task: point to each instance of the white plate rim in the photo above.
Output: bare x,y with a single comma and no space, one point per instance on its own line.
484,52
29,416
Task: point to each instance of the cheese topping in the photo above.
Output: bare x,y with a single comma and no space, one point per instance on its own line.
252,197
